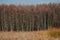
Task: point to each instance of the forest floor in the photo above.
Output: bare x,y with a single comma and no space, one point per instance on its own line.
35,35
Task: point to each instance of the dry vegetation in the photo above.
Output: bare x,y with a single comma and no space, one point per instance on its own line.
17,18
54,32
34,35
29,17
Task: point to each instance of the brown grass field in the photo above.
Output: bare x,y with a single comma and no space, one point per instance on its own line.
35,35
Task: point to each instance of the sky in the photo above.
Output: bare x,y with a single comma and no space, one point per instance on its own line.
28,2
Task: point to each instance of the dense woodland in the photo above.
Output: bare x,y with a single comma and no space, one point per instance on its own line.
29,17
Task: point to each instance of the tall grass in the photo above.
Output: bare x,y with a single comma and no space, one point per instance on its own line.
54,32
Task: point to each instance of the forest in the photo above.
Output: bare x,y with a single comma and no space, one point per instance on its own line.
29,17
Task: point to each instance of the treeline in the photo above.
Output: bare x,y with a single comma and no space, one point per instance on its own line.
29,17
